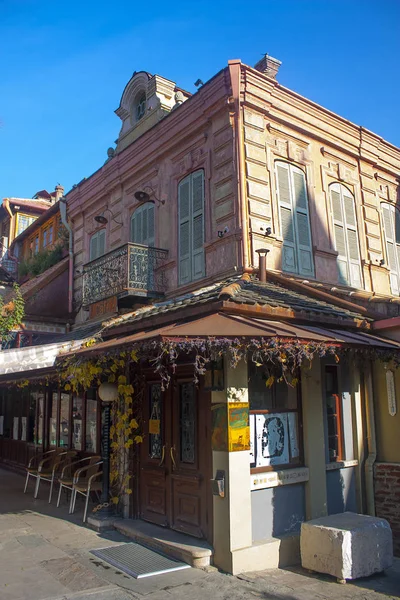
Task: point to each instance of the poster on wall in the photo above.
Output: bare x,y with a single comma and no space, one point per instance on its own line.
15,428
272,439
23,429
238,426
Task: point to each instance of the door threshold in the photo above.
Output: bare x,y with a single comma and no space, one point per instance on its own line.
196,553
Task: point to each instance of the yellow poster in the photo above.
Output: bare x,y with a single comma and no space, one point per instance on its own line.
238,426
154,426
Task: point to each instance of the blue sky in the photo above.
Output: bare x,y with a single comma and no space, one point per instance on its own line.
64,65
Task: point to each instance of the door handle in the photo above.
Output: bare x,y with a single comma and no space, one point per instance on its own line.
173,458
160,464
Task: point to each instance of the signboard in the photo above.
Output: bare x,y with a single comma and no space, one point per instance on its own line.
238,426
109,305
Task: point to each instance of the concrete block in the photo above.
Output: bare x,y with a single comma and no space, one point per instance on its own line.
346,545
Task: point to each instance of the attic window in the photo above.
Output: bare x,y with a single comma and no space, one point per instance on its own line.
140,106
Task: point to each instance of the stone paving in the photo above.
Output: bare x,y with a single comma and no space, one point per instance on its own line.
44,555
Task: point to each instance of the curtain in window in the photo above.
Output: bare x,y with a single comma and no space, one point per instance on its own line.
345,235
294,219
191,227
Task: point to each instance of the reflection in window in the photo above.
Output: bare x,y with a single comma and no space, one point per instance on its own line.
53,420
39,418
140,106
188,422
333,414
77,410
91,422
64,419
274,422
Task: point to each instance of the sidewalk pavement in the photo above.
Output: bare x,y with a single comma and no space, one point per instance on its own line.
44,555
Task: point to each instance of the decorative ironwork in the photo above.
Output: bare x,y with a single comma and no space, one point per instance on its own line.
155,439
131,268
188,422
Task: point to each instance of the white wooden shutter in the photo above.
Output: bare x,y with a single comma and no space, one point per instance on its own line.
352,239
197,224
303,232
289,262
295,225
93,247
340,234
101,246
392,249
184,231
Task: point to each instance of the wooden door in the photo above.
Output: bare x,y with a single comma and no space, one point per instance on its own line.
175,468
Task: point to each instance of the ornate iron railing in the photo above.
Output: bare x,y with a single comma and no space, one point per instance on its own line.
131,269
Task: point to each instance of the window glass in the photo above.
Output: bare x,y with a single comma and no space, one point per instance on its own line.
77,413
188,423
274,422
333,414
91,421
53,419
155,421
39,421
23,223
64,420
140,106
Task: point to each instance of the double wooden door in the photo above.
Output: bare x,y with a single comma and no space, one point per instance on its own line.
175,458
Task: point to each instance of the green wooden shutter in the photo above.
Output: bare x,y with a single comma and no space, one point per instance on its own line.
142,225
303,233
101,246
184,231
352,239
197,225
389,223
289,262
340,234
93,247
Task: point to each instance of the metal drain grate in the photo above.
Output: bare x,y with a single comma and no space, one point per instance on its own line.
138,561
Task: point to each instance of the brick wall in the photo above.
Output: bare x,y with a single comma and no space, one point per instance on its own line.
387,498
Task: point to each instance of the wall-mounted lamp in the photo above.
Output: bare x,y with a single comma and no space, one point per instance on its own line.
103,220
221,233
382,262
266,230
147,196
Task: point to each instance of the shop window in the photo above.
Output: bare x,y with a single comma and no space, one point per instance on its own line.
333,414
297,256
77,421
191,227
91,420
36,418
275,423
53,419
64,420
346,236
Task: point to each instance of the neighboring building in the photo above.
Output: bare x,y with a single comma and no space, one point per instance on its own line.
39,255
167,236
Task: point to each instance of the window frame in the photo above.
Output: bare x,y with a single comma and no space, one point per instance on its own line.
293,206
300,442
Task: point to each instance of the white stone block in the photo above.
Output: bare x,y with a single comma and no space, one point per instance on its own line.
346,545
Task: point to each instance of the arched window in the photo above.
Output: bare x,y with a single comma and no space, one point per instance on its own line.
191,227
391,225
142,225
140,106
97,244
345,235
297,254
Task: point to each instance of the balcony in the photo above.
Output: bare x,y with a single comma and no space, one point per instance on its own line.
130,270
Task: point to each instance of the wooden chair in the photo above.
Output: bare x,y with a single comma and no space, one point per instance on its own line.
49,471
66,478
33,466
85,482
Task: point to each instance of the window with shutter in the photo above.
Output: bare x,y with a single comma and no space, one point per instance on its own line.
391,225
346,236
191,227
142,225
97,244
294,219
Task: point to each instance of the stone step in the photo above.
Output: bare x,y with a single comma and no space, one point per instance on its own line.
197,553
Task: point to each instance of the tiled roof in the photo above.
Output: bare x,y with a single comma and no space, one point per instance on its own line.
242,290
31,203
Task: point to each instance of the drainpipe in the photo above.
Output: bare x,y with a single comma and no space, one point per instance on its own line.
371,440
63,214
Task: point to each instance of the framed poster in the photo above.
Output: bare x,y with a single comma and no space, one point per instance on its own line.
272,439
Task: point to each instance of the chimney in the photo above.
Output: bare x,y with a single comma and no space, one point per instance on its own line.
268,65
59,192
262,264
